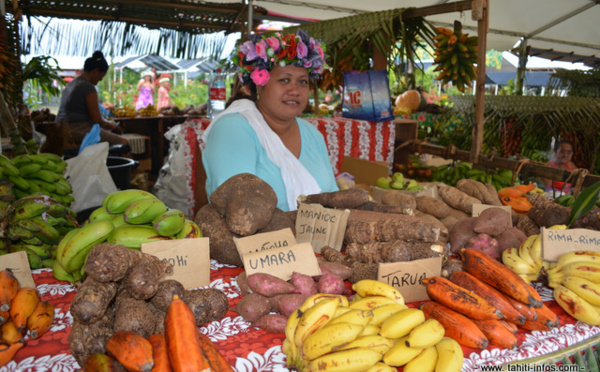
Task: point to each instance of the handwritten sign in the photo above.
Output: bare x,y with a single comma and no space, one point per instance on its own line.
282,262
265,241
407,276
19,264
190,259
321,226
478,208
558,242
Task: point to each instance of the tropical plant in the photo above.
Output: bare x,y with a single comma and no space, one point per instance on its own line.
40,74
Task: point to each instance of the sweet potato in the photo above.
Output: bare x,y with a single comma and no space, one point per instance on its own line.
492,221
484,242
486,193
461,233
398,198
222,245
433,206
246,201
342,199
288,303
253,306
242,282
304,283
331,284
207,304
510,238
494,199
274,323
164,294
340,270
458,199
269,285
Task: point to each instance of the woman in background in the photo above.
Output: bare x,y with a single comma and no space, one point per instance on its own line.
163,93
563,153
146,88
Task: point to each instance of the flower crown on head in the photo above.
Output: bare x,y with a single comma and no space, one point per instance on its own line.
257,56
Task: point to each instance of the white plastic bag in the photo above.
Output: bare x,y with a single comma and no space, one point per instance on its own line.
89,177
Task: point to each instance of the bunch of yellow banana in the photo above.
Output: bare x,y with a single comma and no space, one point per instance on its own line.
125,111
35,225
149,110
526,261
455,56
576,283
37,173
373,332
126,217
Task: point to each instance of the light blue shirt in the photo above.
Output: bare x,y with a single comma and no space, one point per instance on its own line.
232,147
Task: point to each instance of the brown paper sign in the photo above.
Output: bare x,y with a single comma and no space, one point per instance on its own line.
558,242
321,226
282,262
478,208
406,276
190,259
19,265
265,241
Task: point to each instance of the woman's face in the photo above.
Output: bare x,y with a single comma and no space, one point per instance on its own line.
564,153
96,76
286,94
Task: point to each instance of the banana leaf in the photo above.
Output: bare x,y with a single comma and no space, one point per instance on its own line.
585,201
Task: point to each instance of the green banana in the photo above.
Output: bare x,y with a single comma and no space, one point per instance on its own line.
28,225
133,236
42,251
118,220
57,210
48,262
19,182
59,272
72,250
34,241
29,169
15,232
50,166
100,213
35,261
50,156
65,185
55,222
39,158
7,166
190,230
144,211
45,175
169,223
20,160
117,201
47,233
60,190
28,209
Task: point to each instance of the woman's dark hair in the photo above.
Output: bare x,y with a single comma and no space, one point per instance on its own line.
558,143
96,61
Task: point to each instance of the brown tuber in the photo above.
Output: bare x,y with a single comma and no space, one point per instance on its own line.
133,315
253,306
342,199
164,294
207,304
222,244
92,300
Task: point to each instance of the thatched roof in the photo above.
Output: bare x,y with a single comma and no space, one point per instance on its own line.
178,28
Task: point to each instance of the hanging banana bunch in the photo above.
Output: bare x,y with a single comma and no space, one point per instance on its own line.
455,56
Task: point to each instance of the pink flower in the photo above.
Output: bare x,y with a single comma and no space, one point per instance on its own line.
320,51
261,50
260,77
301,50
273,43
308,64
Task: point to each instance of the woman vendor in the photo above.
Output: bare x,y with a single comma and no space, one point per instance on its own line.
146,88
79,105
266,137
563,153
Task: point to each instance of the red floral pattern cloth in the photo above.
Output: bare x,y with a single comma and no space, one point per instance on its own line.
250,349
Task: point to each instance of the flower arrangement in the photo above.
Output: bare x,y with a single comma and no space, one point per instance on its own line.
257,56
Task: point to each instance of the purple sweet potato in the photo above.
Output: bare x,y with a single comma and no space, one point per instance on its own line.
461,232
288,303
304,283
485,243
331,283
338,269
242,283
253,306
269,285
492,221
274,323
510,238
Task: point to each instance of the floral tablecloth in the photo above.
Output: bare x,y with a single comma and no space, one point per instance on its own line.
250,349
344,137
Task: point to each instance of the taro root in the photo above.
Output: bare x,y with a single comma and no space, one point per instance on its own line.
208,304
164,295
133,315
92,300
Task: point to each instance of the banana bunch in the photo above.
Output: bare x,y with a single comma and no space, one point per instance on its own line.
576,283
566,200
500,178
6,198
373,332
126,217
37,173
125,111
451,173
149,110
397,182
455,56
526,261
35,225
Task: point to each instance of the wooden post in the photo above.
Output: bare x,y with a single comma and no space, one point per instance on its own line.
482,28
379,60
523,53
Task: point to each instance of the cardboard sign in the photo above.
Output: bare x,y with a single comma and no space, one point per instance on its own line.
282,262
364,171
265,241
406,276
558,242
321,226
19,264
478,208
190,259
